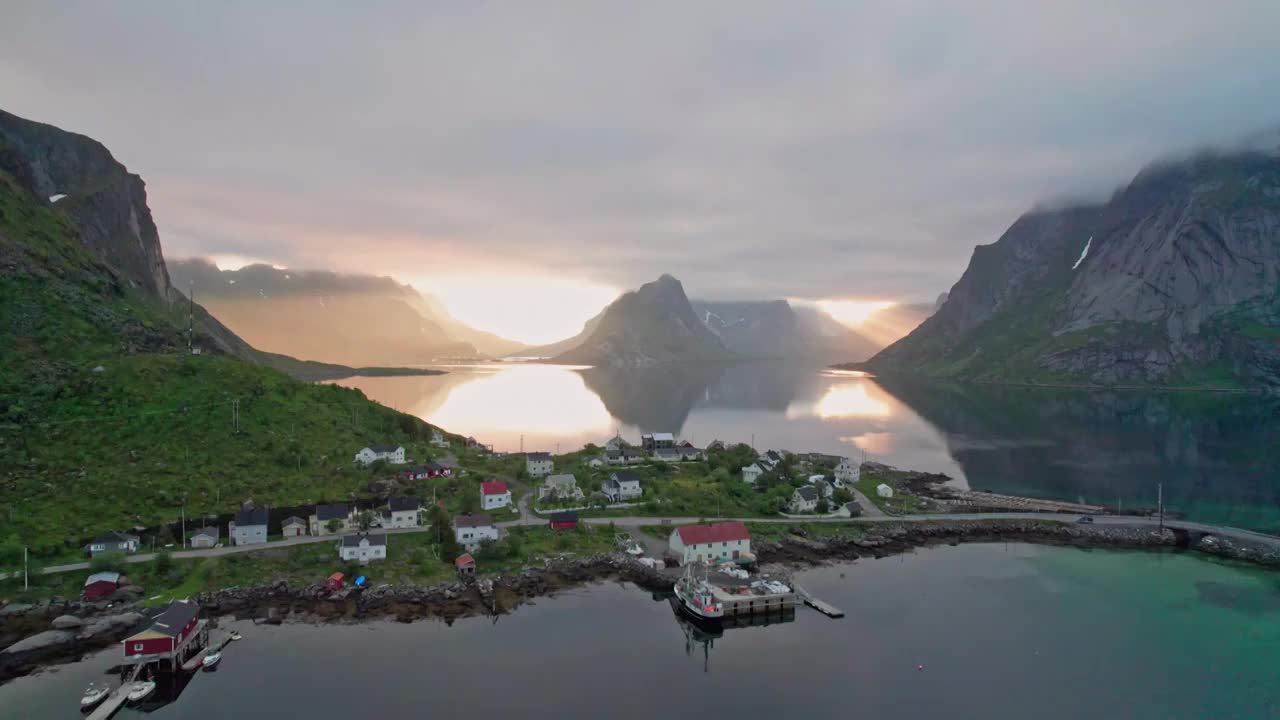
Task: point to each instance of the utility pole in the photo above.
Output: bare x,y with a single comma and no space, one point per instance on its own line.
235,416
1160,503
26,582
184,523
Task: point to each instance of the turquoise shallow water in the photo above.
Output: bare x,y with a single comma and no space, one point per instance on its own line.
978,631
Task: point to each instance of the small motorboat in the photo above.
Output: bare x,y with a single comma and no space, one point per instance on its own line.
93,695
211,660
236,636
141,690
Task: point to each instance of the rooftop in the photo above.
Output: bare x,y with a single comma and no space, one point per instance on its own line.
252,516
403,504
211,531
493,487
472,521
384,448
339,511
354,540
715,532
538,456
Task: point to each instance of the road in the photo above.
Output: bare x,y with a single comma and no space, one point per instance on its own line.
635,522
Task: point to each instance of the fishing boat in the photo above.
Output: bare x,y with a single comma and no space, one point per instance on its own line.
697,596
141,690
93,695
211,660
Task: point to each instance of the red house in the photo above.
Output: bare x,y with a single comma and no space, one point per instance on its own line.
426,471
168,633
334,582
564,520
100,585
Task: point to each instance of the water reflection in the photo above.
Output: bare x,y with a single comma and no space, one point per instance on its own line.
700,636
1215,454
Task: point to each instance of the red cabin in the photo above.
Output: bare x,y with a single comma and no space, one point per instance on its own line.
100,585
334,582
564,520
168,632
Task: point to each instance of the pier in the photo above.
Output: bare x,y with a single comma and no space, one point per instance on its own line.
116,699
821,606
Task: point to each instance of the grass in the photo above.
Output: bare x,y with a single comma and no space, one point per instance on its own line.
412,558
902,502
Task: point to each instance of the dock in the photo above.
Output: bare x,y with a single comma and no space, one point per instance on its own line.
116,699
821,606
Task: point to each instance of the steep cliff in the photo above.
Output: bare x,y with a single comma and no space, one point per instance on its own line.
1173,281
654,325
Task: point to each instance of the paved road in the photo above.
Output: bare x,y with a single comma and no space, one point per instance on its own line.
869,509
635,522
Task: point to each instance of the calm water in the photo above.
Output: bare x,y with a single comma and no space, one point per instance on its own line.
1217,455
1002,632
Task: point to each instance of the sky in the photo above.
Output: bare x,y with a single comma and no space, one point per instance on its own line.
842,152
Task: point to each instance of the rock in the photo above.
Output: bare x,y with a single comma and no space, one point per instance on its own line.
67,622
41,642
99,370
15,609
111,624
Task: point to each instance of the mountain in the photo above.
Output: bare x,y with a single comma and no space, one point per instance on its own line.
654,325
331,317
775,329
107,420
1174,281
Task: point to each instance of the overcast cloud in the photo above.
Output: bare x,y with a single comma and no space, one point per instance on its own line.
754,150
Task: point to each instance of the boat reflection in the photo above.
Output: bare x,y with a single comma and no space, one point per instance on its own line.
704,634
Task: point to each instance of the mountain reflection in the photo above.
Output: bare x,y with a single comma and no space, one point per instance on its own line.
1214,453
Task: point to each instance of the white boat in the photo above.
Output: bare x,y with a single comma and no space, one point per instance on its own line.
211,659
236,636
93,695
635,550
140,690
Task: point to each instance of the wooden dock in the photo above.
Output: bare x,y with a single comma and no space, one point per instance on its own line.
821,606
116,699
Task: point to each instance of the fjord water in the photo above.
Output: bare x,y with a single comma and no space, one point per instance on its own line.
1012,631
1217,455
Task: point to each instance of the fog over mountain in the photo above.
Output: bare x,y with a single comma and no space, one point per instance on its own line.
769,150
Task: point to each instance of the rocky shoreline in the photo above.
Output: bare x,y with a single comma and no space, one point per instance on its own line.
58,631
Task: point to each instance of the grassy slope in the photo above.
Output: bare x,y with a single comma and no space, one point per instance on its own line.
82,452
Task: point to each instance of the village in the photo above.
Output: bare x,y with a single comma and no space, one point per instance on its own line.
468,512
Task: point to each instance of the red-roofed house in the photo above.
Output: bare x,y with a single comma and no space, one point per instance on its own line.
465,564
712,543
494,494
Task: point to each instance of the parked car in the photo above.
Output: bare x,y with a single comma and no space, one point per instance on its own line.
1088,519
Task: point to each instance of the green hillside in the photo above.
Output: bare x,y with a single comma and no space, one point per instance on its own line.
83,449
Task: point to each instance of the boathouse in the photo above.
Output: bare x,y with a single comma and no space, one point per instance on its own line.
100,585
175,634
466,565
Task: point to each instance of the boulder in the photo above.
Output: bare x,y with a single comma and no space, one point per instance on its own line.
67,622
41,642
110,625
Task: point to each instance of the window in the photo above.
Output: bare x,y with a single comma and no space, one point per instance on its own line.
137,647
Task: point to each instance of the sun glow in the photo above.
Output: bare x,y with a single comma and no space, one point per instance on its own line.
235,262
528,308
538,399
853,312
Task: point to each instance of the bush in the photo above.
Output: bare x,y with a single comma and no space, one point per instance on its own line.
163,563
106,562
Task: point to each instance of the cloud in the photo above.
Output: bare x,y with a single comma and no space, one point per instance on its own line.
810,149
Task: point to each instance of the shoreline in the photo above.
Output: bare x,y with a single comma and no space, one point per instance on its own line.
55,632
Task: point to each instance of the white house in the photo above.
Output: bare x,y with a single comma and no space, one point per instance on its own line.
712,543
248,527
615,443
804,500
205,537
622,486
494,494
401,512
324,514
823,484
688,452
471,530
751,473
560,487
113,542
770,459
363,548
623,456
293,526
393,454
848,471
538,464
655,441
666,454
884,491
